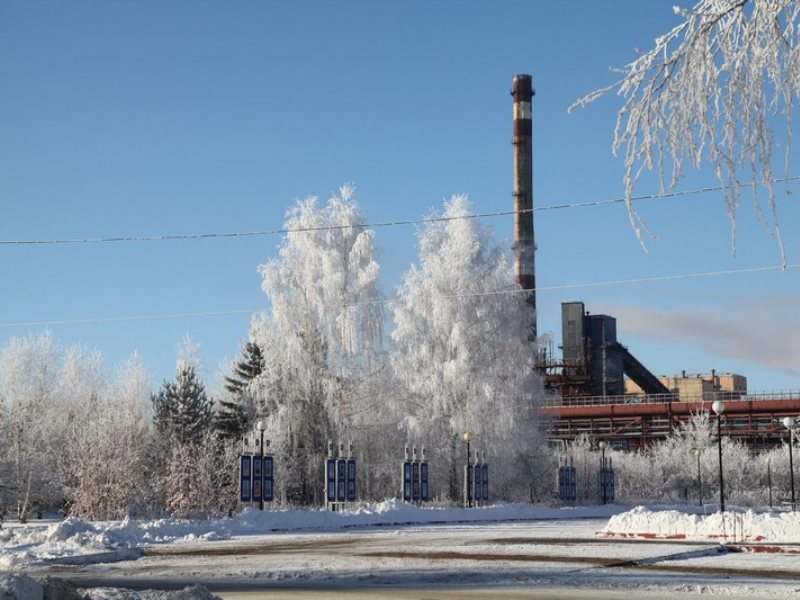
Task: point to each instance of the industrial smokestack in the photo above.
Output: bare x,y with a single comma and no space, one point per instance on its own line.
524,244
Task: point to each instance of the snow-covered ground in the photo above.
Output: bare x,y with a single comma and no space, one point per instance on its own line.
72,538
391,547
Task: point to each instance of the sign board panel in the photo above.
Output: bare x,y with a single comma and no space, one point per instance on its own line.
567,484
485,482
351,479
607,484
423,481
268,489
331,479
244,478
612,484
341,480
415,478
407,481
257,479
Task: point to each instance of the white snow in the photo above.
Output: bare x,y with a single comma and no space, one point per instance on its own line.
32,544
734,526
75,539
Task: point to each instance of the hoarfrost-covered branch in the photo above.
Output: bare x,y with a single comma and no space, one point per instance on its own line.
707,91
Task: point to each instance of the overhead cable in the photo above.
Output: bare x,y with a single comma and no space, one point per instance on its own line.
511,291
285,231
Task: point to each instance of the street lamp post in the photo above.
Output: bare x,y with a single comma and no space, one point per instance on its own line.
468,494
718,406
697,453
789,423
603,495
261,458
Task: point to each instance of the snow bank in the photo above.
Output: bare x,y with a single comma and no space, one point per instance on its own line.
750,526
74,538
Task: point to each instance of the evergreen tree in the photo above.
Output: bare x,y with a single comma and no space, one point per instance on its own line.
234,414
182,410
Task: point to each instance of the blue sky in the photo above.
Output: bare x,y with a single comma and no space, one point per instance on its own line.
152,118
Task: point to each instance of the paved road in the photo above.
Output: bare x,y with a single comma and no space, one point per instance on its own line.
523,560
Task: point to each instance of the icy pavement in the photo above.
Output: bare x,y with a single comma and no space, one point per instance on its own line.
73,540
396,551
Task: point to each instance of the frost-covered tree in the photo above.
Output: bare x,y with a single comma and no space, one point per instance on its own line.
710,90
235,413
29,369
321,337
108,474
667,471
199,480
326,279
463,355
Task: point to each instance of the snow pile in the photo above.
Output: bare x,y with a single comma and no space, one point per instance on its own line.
20,586
74,538
750,526
27,588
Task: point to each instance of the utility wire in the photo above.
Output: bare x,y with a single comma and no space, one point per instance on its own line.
464,295
283,231
129,318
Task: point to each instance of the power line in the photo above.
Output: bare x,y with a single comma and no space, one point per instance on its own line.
129,318
677,194
609,282
635,280
285,231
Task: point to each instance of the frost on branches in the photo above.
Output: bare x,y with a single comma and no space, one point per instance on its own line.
463,355
29,370
707,91
321,338
72,440
684,468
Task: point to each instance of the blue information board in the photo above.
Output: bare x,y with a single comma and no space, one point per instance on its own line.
341,480
423,482
485,482
244,478
257,479
415,477
407,481
606,482
477,479
567,484
268,489
351,479
331,479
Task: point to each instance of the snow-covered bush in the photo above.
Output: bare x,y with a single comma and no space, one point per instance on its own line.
667,472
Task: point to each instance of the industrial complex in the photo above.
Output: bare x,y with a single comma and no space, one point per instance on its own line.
597,387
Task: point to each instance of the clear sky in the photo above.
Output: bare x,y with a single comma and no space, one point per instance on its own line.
154,118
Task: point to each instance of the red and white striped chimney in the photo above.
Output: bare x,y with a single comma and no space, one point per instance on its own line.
524,244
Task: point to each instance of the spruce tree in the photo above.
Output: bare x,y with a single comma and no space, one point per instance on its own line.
231,419
182,410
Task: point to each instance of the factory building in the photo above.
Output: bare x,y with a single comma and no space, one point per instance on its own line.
690,388
599,389
596,386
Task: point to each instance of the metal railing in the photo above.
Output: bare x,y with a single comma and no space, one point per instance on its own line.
708,397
